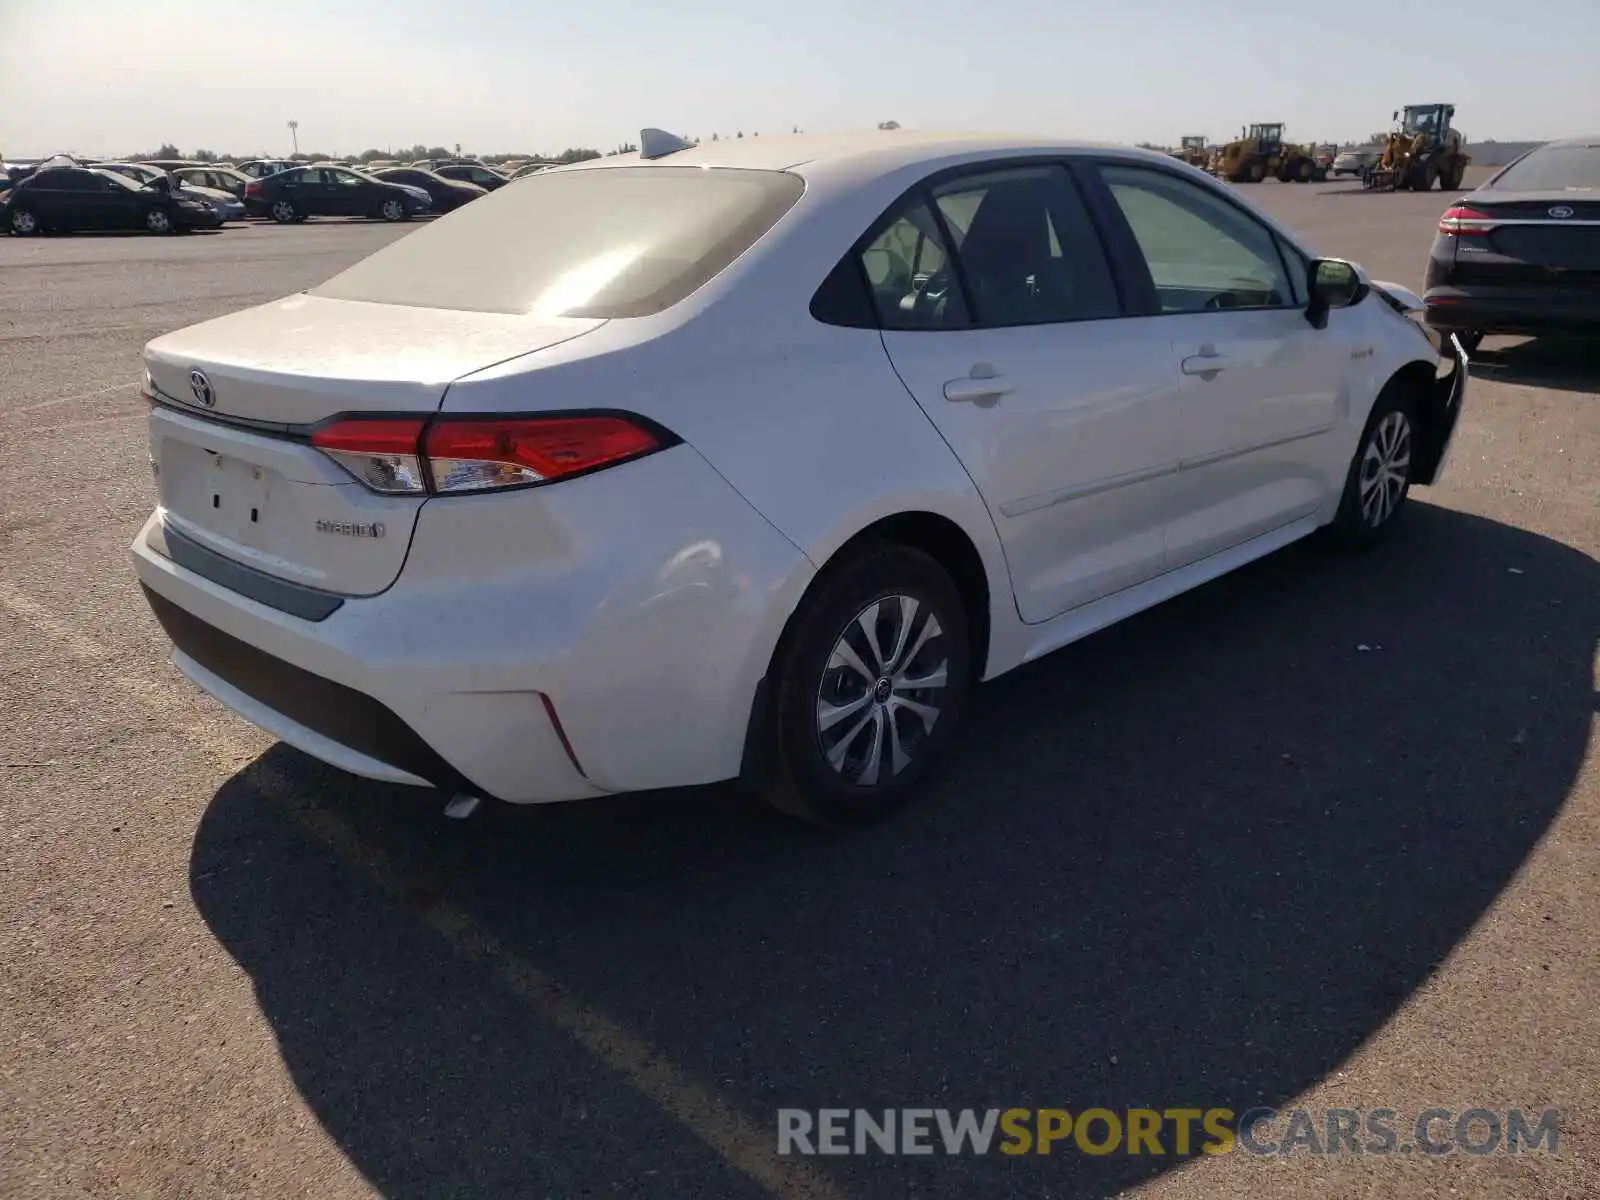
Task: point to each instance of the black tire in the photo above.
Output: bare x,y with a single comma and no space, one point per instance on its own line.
808,675
284,212
1450,178
1255,172
29,225
159,221
1361,521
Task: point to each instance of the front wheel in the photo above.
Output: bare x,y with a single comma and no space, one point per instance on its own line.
393,210
1379,479
24,222
284,212
158,221
869,687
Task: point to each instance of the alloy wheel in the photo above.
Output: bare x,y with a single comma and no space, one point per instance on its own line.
880,694
24,222
1385,469
157,221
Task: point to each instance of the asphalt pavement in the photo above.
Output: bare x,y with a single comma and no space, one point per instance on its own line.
1320,834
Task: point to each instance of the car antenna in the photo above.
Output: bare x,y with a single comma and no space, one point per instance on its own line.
658,143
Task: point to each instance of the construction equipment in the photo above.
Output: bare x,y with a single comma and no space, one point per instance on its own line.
1192,150
1260,151
1423,149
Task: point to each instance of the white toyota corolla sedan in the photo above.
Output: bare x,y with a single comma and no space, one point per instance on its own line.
749,459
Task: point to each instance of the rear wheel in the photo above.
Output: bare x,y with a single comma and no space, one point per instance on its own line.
869,686
1304,170
284,212
158,220
1450,178
1379,479
25,222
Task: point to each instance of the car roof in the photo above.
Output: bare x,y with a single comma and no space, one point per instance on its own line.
869,153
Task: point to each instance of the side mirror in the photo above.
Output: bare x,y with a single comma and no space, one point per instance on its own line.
1332,283
161,183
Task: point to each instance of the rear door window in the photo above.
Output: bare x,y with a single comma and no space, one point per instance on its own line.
1028,250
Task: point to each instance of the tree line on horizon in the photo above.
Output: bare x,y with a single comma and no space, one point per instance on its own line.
419,151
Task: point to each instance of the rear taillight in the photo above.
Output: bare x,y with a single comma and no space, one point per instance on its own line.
474,454
1461,221
452,455
385,453
252,189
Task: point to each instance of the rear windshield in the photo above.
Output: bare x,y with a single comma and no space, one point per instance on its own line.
1553,169
597,242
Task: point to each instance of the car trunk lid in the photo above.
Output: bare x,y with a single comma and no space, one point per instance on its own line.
1548,239
237,399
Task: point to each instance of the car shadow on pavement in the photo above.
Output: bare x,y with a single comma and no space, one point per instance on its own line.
1566,363
1195,860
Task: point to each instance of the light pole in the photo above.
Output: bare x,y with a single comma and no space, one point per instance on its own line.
294,132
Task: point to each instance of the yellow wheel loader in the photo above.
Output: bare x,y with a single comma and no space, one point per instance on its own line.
1192,150
1260,151
1423,150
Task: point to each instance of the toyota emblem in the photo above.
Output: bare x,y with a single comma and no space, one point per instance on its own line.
1561,212
201,387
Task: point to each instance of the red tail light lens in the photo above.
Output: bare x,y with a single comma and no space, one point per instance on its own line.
470,455
1461,220
398,455
252,189
384,454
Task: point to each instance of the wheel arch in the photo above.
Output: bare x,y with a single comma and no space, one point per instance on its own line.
1430,405
936,535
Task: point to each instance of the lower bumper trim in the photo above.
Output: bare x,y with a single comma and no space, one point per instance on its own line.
327,709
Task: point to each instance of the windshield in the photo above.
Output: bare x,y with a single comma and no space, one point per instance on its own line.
1419,120
1553,169
597,242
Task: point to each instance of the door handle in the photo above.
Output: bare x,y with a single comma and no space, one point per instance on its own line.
1207,364
983,382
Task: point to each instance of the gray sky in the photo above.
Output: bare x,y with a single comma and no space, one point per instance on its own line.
98,77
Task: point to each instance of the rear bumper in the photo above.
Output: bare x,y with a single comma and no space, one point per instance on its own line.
1522,310
544,645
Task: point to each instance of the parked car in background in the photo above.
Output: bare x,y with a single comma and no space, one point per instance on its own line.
1521,254
549,500
523,172
170,164
446,194
474,173
219,179
66,199
302,192
1356,161
228,206
260,168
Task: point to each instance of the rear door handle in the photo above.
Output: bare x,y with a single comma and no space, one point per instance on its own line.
983,382
1207,364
